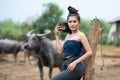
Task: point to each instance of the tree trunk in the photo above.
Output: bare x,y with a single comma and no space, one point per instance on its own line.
95,31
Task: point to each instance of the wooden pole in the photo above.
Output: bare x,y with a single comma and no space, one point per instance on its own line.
95,31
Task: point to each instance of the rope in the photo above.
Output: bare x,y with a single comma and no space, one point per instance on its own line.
101,68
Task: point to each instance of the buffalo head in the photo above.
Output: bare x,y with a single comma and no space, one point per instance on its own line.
34,40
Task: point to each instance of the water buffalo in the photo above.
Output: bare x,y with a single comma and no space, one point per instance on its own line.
8,46
44,50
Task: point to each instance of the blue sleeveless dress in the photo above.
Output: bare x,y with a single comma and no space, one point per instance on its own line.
71,48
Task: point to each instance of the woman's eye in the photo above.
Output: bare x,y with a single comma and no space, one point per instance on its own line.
70,21
74,21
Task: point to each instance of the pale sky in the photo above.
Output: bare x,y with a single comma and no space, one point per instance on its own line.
21,10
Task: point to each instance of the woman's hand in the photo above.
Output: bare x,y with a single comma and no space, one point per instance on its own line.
71,66
57,29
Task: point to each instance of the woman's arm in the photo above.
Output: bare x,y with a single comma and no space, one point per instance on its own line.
88,53
87,47
58,43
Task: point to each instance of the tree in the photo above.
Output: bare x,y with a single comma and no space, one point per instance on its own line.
9,29
95,31
50,17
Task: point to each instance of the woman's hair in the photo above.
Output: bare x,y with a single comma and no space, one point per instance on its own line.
73,12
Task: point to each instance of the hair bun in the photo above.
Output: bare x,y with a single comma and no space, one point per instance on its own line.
72,10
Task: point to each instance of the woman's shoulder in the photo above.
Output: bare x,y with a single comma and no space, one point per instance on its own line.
81,34
83,37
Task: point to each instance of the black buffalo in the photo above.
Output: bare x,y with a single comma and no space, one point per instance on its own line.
44,50
8,46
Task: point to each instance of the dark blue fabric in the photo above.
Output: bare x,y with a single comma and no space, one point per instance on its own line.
72,48
76,74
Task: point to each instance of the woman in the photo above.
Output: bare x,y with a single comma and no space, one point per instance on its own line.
72,69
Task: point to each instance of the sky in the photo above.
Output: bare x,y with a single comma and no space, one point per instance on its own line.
22,10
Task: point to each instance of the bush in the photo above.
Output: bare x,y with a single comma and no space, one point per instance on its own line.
114,43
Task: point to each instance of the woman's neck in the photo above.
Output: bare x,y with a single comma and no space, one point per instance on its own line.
75,31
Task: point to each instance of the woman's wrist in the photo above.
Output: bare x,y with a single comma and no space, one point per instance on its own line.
56,34
57,37
78,60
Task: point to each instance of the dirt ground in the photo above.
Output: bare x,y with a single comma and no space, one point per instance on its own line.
9,70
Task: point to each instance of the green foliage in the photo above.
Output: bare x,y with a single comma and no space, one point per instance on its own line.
106,28
12,30
25,28
9,28
50,17
114,43
103,39
84,26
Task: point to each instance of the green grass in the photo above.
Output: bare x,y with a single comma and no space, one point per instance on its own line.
106,46
113,65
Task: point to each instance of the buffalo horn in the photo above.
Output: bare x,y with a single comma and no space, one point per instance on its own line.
30,32
47,31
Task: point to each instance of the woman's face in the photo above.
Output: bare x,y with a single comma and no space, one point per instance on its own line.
73,23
